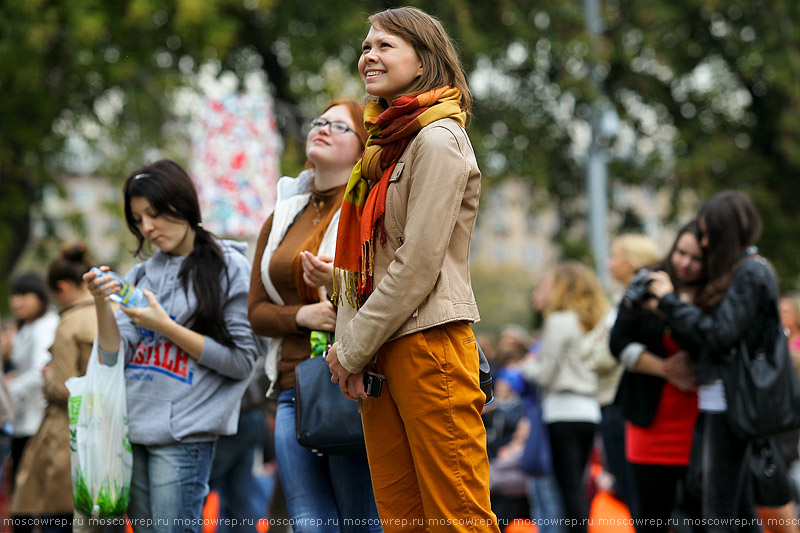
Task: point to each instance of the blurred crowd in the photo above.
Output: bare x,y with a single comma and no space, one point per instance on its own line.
623,391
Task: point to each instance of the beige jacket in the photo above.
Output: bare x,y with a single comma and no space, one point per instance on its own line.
44,479
422,274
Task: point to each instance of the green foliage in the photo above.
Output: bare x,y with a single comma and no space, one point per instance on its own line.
725,76
110,501
707,91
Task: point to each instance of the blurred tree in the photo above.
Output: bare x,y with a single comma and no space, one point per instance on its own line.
100,70
724,78
706,89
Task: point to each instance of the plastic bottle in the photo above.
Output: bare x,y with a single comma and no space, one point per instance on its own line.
128,295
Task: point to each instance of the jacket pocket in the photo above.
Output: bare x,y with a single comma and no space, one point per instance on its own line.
394,221
149,421
397,172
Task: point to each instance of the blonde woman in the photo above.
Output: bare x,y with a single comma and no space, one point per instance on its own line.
575,303
629,253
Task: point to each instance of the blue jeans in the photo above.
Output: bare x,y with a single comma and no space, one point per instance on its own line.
545,503
169,486
232,474
328,494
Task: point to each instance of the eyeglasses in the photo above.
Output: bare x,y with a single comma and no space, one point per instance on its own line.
336,126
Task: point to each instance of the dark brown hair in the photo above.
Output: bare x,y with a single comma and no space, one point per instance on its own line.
70,265
171,193
440,63
666,265
732,224
31,283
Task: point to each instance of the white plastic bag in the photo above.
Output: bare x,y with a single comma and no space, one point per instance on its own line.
101,453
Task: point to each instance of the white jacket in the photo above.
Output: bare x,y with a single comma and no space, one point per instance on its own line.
293,196
562,372
29,354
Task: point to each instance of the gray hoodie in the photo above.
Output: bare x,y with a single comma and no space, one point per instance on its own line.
171,396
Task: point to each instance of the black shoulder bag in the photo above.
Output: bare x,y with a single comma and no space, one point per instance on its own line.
761,387
325,421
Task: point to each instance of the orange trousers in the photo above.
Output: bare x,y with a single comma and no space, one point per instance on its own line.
425,439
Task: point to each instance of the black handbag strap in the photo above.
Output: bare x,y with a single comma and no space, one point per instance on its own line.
771,320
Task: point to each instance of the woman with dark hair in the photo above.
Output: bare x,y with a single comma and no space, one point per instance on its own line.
289,291
188,354
657,393
44,487
733,306
36,328
403,284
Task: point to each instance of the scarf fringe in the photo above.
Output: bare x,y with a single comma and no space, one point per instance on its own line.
356,285
347,289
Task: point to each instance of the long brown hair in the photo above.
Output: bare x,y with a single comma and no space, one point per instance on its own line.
440,63
171,193
732,224
666,265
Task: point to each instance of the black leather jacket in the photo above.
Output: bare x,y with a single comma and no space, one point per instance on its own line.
751,299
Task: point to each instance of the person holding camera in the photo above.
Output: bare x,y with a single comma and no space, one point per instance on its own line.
403,284
730,307
657,393
291,279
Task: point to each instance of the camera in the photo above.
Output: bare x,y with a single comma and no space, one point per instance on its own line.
373,384
639,290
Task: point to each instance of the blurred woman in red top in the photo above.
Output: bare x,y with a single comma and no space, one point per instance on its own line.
657,392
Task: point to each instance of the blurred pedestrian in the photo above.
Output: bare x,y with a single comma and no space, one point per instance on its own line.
657,394
630,252
575,305
544,496
7,412
44,480
188,354
730,308
36,328
508,481
289,290
790,318
403,285
234,457
775,479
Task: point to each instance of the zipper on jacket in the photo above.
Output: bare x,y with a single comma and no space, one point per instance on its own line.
400,240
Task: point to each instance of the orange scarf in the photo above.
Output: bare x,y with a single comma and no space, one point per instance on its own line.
390,131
